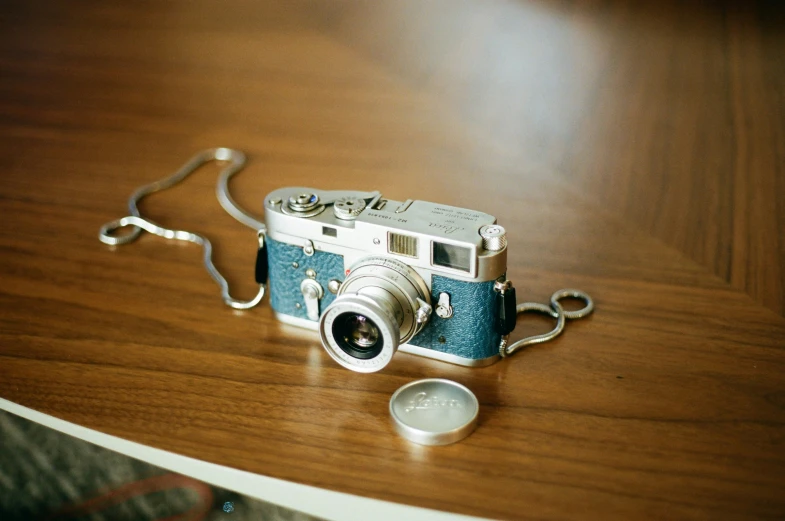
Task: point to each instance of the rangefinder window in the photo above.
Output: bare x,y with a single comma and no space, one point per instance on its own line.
451,256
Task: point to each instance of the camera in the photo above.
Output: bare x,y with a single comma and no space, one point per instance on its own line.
375,276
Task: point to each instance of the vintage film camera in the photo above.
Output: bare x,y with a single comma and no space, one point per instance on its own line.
374,275
371,274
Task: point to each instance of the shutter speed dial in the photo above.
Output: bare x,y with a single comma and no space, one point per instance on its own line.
348,208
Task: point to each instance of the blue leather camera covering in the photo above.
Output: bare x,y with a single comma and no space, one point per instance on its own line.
285,280
471,331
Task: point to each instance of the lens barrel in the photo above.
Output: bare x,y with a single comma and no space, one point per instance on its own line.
374,312
338,329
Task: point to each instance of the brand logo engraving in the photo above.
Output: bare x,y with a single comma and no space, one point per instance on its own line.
445,228
423,402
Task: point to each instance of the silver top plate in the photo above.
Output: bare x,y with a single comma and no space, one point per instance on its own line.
431,238
434,411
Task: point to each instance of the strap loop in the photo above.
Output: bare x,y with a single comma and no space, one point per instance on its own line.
555,310
138,223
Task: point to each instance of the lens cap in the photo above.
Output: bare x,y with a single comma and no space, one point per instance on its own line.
434,411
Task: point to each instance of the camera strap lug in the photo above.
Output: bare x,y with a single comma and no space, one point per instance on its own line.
505,299
262,266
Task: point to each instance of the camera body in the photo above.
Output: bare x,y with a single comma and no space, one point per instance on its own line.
374,275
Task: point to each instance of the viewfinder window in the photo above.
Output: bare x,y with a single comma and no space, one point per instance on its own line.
330,232
451,256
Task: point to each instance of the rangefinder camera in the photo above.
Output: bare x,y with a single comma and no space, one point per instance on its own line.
374,276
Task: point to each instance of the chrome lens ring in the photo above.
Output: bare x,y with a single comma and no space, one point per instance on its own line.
398,280
386,328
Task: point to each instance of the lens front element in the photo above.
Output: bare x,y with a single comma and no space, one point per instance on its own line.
357,335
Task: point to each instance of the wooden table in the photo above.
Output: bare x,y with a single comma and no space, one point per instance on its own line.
634,151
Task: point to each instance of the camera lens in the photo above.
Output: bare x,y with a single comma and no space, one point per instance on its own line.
375,311
357,335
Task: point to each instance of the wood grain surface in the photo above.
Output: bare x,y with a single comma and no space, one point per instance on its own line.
634,150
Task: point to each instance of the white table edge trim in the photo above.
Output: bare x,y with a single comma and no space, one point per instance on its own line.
315,501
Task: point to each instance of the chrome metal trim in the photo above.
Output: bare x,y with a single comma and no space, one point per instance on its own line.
304,323
443,308
446,357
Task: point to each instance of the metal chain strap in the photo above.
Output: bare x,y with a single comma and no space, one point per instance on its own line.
138,223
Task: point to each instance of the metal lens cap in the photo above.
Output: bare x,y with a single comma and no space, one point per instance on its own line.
434,411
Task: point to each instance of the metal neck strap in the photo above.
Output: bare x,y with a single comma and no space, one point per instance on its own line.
138,223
